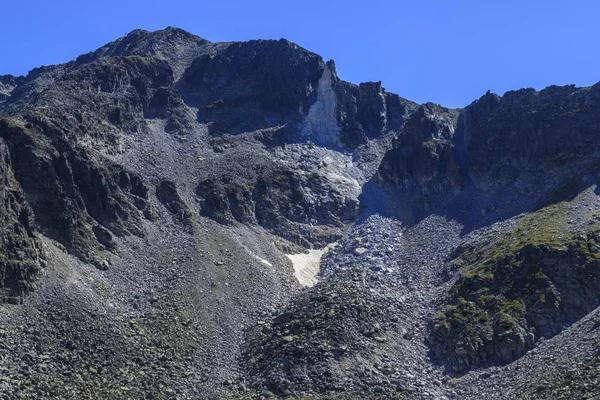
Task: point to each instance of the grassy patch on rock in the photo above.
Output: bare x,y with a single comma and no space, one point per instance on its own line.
521,285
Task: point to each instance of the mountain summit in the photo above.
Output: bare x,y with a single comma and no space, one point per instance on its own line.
193,220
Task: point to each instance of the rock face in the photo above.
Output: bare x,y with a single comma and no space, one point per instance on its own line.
511,140
424,156
306,209
320,123
22,251
73,197
366,111
497,142
7,84
526,284
252,85
152,191
524,149
167,194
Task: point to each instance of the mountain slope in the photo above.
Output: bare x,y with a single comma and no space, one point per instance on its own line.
154,188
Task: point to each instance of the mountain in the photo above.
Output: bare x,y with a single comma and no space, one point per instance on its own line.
193,220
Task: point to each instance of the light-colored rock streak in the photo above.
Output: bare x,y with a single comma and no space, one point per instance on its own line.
321,124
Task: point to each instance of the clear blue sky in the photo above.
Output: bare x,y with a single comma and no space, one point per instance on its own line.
448,52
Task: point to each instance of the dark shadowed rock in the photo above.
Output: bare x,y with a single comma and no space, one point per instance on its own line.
21,252
167,194
251,85
305,209
423,157
511,140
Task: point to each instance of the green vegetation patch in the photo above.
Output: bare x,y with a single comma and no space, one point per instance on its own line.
513,287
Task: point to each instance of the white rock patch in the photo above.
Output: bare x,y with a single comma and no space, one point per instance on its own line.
307,266
321,123
262,260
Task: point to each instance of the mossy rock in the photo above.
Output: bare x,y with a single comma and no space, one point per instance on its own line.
524,284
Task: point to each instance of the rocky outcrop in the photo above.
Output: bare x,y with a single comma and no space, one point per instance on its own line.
7,84
264,84
515,139
257,84
306,209
226,200
166,193
21,252
423,157
367,111
290,204
71,193
173,45
497,143
120,91
317,334
527,284
347,115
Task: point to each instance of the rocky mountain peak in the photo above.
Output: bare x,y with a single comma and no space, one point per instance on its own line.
187,219
140,42
7,85
173,45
